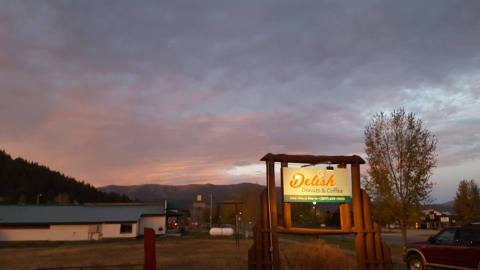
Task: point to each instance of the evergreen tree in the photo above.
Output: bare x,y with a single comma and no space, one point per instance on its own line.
22,182
467,202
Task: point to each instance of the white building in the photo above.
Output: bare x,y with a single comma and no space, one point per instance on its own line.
71,223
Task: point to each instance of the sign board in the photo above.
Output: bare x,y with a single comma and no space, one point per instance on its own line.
444,219
316,185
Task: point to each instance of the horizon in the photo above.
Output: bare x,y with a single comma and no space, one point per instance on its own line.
277,179
132,93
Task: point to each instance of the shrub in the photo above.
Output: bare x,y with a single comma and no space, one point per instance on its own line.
315,254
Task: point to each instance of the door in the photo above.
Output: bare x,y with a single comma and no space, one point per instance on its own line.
442,250
468,252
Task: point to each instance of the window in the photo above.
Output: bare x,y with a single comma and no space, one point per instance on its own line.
446,237
125,228
469,237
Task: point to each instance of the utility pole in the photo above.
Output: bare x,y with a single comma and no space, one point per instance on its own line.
211,210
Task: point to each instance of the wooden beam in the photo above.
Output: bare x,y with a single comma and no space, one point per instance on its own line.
387,256
287,207
294,230
264,231
273,214
367,219
310,159
378,246
345,217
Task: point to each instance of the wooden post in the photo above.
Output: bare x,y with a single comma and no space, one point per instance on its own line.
149,249
378,246
367,218
273,215
358,217
265,231
345,218
287,208
387,258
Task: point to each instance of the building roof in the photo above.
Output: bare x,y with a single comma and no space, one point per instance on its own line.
75,214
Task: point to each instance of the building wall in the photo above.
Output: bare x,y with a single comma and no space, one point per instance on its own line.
24,234
65,233
113,231
68,232
156,223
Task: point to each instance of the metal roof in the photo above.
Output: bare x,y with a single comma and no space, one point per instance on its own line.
75,214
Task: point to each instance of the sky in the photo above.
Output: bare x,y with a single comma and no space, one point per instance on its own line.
181,92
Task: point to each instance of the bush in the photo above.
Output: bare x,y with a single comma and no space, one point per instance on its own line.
315,255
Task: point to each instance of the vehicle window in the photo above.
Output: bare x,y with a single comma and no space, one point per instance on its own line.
468,237
446,237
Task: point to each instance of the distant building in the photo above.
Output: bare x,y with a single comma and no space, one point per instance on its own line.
198,211
72,223
433,219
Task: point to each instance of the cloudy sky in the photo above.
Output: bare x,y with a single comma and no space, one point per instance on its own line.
177,92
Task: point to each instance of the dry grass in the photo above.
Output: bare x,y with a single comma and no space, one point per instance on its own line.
172,253
314,254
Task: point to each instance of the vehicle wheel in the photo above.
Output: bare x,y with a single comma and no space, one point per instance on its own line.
414,262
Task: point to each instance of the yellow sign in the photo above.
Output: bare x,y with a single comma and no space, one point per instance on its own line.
316,185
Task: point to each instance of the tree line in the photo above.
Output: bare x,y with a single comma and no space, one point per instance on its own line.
25,182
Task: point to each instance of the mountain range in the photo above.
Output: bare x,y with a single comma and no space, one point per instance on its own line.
183,196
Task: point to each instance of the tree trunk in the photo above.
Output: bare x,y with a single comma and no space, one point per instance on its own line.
403,229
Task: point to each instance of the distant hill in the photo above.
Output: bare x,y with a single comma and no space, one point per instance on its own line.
184,195
21,181
442,207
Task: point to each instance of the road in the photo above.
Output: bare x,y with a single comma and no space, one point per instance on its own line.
412,236
395,237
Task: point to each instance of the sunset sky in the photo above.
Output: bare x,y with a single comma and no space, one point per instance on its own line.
179,92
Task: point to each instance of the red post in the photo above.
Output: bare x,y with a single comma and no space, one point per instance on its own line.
149,245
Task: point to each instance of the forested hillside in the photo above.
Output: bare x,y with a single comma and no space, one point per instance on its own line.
22,181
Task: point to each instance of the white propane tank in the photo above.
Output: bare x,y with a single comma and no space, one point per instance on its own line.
221,231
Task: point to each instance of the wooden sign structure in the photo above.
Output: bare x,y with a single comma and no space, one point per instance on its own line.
371,253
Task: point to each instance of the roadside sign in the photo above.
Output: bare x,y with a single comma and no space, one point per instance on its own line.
316,185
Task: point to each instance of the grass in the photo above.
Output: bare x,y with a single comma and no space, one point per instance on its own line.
346,244
193,251
172,253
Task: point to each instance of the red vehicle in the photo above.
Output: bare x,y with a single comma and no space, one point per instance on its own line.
453,248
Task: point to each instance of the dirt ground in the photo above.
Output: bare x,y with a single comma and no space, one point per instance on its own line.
172,253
